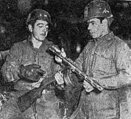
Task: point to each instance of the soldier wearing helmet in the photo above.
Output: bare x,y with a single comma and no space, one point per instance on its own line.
107,59
29,60
41,18
38,14
98,10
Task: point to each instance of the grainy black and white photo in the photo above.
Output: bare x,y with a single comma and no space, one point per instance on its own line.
65,59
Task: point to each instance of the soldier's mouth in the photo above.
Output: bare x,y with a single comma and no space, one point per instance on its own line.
91,33
43,34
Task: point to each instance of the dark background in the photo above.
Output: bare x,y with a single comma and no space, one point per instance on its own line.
68,29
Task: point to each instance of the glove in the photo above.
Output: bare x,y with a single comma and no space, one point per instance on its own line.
31,72
87,86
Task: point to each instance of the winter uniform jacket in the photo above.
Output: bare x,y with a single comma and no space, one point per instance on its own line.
23,53
108,60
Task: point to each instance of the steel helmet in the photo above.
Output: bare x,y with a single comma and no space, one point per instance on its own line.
38,14
97,8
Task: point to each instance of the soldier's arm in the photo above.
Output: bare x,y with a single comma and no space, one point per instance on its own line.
10,68
123,67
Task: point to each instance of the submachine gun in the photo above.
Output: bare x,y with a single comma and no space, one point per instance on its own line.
83,76
75,69
29,98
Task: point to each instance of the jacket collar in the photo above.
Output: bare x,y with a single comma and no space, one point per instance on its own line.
108,36
44,43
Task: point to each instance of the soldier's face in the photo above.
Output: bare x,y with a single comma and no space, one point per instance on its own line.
96,28
40,30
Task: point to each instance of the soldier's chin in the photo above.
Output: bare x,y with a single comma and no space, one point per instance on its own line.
41,39
94,36
43,35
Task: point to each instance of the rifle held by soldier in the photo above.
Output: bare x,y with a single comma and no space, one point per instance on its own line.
29,98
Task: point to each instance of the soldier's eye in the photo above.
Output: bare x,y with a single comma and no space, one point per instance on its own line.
93,23
40,26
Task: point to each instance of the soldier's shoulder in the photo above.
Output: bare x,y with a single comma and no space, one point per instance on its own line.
49,42
90,44
118,39
19,44
120,43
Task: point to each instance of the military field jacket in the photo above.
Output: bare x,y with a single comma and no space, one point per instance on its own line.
108,59
23,53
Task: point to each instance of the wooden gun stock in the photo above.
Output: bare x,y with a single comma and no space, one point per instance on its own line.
29,98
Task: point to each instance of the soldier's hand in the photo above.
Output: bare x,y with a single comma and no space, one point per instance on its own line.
32,72
59,60
59,78
87,86
37,84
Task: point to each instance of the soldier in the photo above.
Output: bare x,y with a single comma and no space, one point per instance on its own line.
30,60
107,59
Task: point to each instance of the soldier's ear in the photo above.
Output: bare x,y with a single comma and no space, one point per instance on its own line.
30,27
105,22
